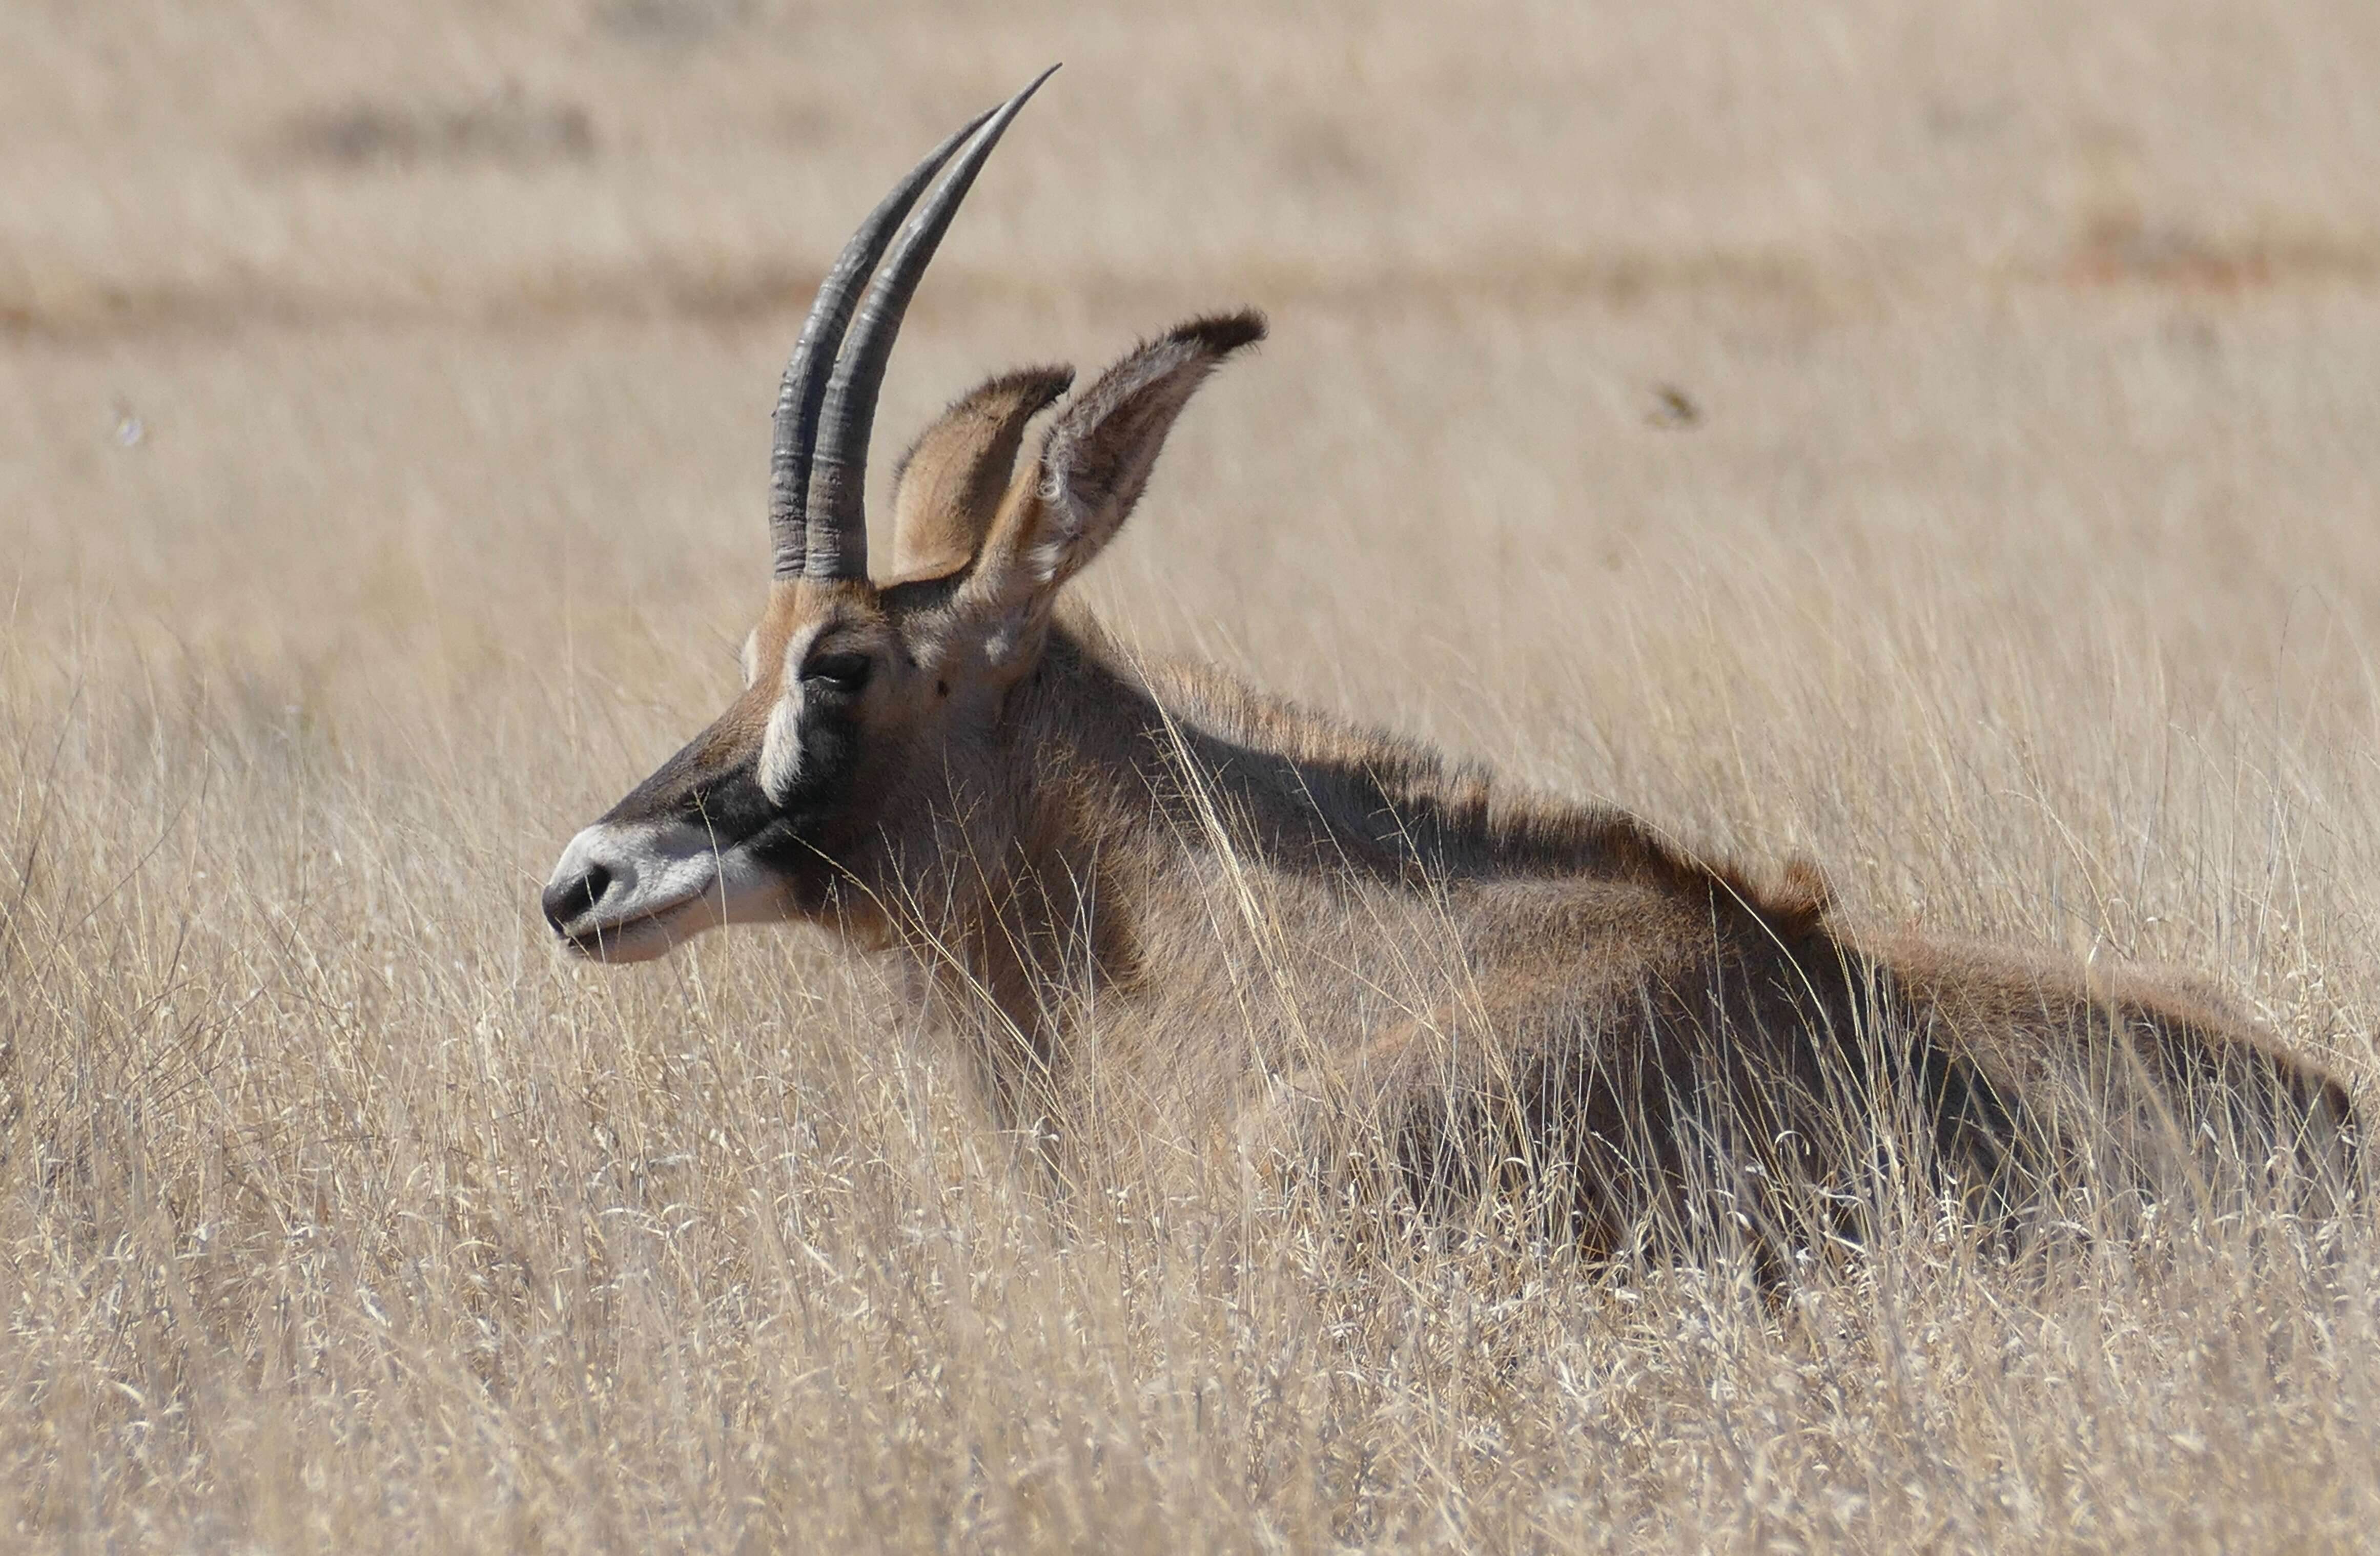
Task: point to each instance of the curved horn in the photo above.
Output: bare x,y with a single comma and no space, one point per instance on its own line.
836,520
803,391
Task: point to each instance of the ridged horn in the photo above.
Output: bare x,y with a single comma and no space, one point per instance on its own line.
803,393
835,523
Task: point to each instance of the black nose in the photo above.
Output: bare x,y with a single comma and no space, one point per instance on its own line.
566,900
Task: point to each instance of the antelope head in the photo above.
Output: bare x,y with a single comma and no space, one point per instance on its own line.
865,699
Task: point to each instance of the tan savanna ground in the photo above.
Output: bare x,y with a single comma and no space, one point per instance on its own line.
1941,442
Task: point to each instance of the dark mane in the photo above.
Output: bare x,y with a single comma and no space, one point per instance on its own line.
1408,811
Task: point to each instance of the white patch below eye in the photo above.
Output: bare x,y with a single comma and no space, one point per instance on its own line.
781,745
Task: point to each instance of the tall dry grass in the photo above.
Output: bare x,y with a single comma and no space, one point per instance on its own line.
380,447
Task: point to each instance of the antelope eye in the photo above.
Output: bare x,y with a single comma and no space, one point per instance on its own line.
841,673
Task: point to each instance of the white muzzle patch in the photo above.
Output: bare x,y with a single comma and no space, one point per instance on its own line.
632,892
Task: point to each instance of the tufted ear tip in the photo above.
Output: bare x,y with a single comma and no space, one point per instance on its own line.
1036,387
1219,334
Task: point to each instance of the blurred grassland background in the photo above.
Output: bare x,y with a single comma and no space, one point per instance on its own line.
1941,442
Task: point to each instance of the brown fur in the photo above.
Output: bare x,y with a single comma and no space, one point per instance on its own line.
1600,1002
1170,908
949,483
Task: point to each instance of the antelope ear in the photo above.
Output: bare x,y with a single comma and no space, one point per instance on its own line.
948,487
1096,461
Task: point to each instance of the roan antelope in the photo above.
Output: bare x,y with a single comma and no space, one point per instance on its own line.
1158,891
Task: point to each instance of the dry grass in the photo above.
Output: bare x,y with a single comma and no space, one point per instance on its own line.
382,408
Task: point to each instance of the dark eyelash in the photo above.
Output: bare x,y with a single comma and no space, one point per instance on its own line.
846,673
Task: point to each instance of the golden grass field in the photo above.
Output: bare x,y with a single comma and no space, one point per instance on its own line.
1942,443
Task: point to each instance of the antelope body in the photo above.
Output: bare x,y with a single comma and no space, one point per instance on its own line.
1155,898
